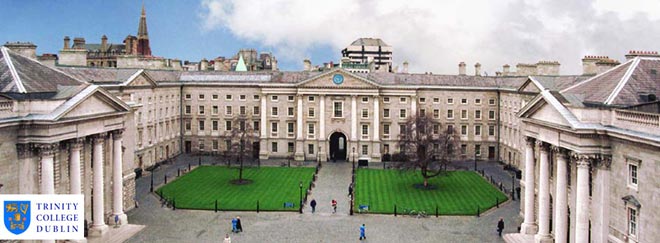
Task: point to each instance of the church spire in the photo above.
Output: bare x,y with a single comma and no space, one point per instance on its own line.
143,36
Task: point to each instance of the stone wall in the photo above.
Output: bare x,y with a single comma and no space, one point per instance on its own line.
73,57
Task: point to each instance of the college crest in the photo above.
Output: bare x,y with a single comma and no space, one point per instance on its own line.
17,216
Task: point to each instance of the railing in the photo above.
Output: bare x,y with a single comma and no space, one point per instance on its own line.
7,105
638,118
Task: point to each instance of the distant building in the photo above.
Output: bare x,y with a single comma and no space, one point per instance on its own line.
244,60
367,50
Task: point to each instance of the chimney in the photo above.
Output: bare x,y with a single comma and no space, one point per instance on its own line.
79,43
204,65
461,68
632,54
506,70
550,68
307,65
26,49
405,67
66,43
477,69
104,42
273,64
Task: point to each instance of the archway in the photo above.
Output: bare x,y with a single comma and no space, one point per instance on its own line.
338,146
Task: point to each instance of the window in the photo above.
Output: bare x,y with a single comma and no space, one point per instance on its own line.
256,110
402,113
214,110
201,96
241,110
274,98
227,125
228,110
188,96
436,129
310,129
214,125
491,130
228,97
310,112
422,112
386,99
201,110
386,129
632,173
255,97
436,113
450,101
450,129
290,111
450,114
290,127
255,126
273,147
290,98
228,144
338,107
241,97
310,148
464,130
310,98
403,99
422,100
273,111
201,125
463,149
214,97
477,130
491,101
477,150
464,101
491,115
402,129
187,126
436,100
632,222
365,99
477,114
201,144
365,113
241,125
290,147
273,127
386,113
365,130
365,149
188,109
215,145
477,101
464,115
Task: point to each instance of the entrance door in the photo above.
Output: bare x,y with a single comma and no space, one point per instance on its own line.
491,152
337,146
255,150
188,146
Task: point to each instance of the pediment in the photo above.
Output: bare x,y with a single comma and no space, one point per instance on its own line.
140,78
90,103
529,87
327,80
547,113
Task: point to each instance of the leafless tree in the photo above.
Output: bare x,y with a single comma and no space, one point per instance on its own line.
425,145
242,139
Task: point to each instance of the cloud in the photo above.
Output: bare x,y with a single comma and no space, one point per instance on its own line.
435,35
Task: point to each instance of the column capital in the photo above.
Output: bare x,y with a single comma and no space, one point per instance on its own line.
602,161
560,152
376,96
117,134
544,147
25,150
299,95
76,143
47,149
530,141
582,160
99,138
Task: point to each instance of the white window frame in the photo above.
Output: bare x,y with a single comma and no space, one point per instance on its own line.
477,130
274,98
386,99
450,101
229,110
477,101
365,99
363,112
290,132
403,100
242,97
201,96
464,101
633,163
274,129
403,113
334,110
214,97
632,231
311,112
477,114
274,111
365,131
290,111
291,98
466,114
450,114
229,97
311,130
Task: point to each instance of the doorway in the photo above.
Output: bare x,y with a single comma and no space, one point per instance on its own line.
188,147
338,146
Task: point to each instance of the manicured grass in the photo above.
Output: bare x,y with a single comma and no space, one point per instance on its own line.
457,192
271,186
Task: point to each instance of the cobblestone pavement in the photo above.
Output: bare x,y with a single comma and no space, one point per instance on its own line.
166,225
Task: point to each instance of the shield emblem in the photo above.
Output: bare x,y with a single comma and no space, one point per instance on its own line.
17,216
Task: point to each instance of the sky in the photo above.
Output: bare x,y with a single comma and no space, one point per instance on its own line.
433,36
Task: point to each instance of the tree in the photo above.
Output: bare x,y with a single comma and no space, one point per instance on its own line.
426,146
242,139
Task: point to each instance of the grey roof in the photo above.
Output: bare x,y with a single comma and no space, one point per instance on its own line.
369,42
118,48
99,75
22,77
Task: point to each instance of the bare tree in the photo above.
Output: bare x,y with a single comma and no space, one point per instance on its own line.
426,146
242,139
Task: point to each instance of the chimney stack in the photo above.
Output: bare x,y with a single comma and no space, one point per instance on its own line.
477,69
405,67
307,65
66,43
79,43
632,54
461,68
104,42
204,65
547,68
506,70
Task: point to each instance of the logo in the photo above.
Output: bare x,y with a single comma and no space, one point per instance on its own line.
17,216
338,79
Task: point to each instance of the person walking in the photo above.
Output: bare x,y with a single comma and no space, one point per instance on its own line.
363,235
334,206
350,190
234,221
500,226
239,227
313,205
227,239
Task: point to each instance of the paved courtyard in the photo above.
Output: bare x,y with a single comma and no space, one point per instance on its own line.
167,225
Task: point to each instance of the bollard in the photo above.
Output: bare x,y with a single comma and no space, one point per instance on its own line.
513,198
178,172
257,206
436,211
216,205
151,189
500,186
199,163
478,211
165,178
173,204
188,167
497,202
394,210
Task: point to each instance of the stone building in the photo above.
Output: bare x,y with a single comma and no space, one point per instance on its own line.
364,51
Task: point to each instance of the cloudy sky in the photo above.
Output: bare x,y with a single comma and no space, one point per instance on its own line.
434,36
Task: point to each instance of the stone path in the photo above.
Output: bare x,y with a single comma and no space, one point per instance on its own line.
332,183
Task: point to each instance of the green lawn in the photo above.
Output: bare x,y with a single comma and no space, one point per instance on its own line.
271,186
457,193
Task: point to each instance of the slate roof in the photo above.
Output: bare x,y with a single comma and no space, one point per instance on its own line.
620,86
99,75
369,42
22,77
118,48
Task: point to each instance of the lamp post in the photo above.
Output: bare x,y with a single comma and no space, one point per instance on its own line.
301,201
475,160
151,189
353,155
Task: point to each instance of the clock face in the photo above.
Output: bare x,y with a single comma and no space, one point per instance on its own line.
338,79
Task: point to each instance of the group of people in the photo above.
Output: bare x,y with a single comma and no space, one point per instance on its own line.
333,203
236,225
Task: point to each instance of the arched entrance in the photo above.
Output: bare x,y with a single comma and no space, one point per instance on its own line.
338,146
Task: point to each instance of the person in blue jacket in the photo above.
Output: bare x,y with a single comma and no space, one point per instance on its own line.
362,234
234,221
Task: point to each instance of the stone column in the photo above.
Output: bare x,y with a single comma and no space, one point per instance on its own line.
561,195
529,226
601,215
300,153
375,152
98,225
47,153
263,143
322,154
74,167
413,105
117,178
543,235
353,126
582,199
